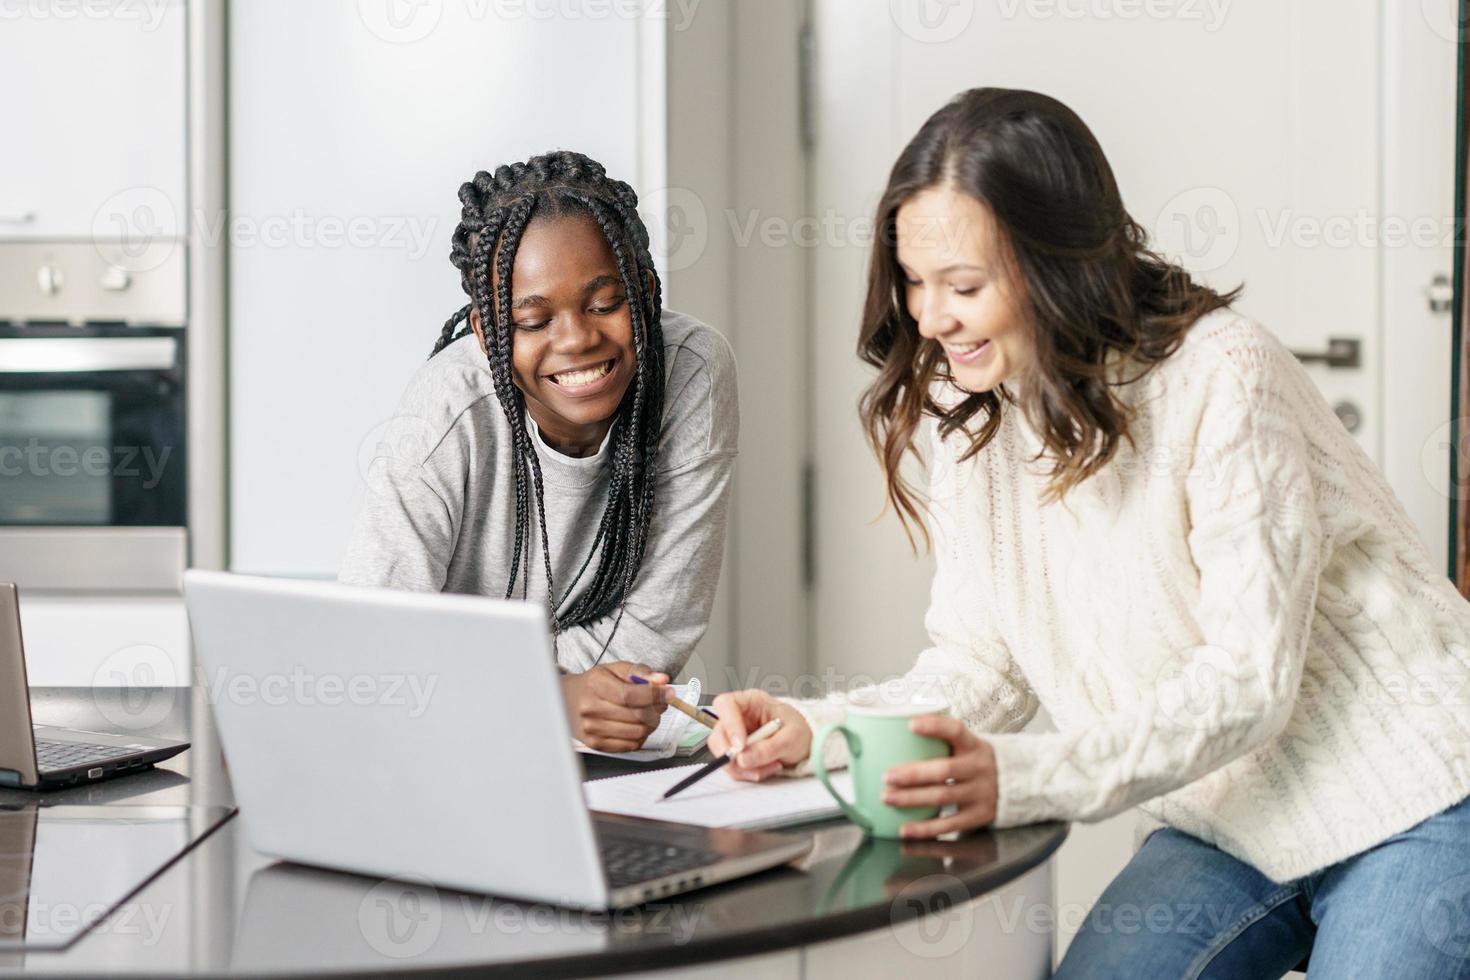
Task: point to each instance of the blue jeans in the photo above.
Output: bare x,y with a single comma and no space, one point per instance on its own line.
1182,908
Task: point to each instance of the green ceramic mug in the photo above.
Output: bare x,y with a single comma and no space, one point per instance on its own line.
878,738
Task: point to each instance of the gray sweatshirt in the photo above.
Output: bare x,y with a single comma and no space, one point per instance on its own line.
440,509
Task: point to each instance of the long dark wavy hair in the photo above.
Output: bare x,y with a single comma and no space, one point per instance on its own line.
1087,281
496,208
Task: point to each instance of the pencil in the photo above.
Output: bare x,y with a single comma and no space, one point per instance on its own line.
759,735
704,716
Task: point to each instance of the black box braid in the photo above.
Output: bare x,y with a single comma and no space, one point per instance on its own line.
495,210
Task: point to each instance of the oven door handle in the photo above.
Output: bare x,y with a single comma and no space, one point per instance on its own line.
79,355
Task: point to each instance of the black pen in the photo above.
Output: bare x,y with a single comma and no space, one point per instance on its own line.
759,735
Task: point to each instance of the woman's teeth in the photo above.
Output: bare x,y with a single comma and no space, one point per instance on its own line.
962,350
576,379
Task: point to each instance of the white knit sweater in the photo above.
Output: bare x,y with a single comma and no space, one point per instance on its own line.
1233,626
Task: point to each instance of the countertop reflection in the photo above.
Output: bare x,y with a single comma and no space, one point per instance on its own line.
223,909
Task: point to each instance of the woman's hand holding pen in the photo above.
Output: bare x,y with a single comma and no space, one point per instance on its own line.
742,713
608,712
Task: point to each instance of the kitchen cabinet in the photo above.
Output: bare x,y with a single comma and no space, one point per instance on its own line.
93,121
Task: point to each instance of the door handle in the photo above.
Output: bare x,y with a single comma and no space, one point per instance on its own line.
17,217
1341,352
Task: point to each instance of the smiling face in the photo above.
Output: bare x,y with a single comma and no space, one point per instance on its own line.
957,288
572,347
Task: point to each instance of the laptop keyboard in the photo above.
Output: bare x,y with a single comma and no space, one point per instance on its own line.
629,862
51,754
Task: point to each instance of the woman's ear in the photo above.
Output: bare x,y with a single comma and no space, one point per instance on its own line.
650,283
478,328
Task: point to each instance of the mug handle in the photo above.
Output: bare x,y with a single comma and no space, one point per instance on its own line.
820,765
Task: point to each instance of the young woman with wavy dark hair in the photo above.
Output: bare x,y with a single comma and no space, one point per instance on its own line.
564,414
1148,520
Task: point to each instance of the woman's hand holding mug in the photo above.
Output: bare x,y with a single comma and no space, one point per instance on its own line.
923,782
965,779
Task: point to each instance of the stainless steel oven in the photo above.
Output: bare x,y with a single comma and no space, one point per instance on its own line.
93,456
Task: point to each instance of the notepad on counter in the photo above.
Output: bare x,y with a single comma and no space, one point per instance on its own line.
718,800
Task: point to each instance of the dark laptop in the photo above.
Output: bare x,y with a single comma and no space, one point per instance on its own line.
41,757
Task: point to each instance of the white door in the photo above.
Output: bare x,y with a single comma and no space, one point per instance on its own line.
1304,147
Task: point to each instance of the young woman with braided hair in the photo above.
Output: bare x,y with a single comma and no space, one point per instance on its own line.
569,442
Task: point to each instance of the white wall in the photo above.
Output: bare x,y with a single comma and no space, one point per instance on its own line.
344,121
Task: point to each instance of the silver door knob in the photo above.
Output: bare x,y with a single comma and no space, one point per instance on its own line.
1349,415
48,277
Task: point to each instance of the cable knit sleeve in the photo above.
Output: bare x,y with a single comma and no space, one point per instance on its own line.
967,665
1255,540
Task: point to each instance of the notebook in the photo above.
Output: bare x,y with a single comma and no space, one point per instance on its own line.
717,800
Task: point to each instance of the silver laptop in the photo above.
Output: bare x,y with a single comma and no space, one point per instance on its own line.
43,757
422,735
